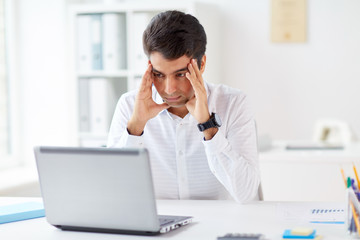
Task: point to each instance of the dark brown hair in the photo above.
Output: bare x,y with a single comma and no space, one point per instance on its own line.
175,34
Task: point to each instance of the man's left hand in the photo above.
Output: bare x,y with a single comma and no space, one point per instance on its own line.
198,105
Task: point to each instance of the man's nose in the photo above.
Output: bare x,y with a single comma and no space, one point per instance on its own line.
170,85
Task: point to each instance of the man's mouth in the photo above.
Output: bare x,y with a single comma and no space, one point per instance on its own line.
172,99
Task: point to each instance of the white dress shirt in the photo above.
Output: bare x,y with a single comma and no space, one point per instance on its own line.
184,165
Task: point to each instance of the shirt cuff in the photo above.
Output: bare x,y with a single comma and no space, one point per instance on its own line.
217,144
132,141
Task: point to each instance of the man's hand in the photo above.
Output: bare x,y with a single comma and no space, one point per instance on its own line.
145,108
198,105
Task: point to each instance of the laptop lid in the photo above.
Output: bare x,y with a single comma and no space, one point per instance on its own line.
97,189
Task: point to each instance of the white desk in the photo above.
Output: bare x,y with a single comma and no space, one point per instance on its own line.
307,175
212,219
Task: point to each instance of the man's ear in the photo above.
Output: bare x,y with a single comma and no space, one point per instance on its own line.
203,63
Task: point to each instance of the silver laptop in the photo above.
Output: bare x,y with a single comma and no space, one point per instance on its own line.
101,190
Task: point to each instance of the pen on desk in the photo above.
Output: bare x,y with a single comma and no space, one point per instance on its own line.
348,182
352,225
356,175
356,218
353,185
354,214
343,175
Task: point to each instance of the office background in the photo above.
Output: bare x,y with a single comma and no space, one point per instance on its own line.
291,85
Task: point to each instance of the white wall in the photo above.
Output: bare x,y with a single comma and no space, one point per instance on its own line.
293,85
290,85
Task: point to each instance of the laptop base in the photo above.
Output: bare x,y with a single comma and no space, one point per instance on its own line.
106,230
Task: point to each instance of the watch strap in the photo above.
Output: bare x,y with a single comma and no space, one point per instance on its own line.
208,124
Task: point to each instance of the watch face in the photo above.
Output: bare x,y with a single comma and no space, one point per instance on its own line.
217,119
200,127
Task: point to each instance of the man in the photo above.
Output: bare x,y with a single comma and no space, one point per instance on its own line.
176,115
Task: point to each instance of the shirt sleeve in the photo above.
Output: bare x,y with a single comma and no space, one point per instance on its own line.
232,153
118,134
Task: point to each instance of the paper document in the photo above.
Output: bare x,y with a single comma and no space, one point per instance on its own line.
313,213
327,215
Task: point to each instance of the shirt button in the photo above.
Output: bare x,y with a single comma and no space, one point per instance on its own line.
180,153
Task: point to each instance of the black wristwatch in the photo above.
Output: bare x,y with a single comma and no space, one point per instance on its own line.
214,121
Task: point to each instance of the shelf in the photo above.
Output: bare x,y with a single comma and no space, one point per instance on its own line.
130,7
104,74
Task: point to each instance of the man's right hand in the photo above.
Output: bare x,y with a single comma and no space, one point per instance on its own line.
145,107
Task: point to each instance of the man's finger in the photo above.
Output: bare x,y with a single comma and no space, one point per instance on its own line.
191,75
162,106
190,105
197,70
146,80
149,76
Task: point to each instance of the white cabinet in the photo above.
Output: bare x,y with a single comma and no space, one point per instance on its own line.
311,175
107,58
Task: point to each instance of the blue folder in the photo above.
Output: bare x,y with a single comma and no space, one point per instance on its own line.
21,211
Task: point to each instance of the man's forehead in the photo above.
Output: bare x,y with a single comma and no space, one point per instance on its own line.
163,65
175,71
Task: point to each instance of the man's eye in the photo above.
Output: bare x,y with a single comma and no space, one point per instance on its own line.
181,75
158,75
